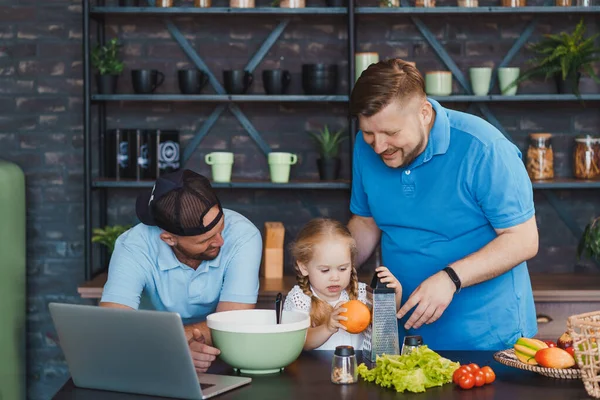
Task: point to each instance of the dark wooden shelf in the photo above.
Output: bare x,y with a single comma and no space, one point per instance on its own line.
477,10
342,10
131,184
566,183
218,98
546,287
219,10
516,98
559,183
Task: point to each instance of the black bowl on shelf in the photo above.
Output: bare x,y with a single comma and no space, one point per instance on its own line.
319,79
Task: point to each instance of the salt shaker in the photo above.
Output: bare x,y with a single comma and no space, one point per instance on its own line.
343,365
411,343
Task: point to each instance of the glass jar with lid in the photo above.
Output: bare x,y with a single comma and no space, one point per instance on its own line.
411,343
586,157
343,365
540,157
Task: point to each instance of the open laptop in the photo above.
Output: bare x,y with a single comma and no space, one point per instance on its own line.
133,351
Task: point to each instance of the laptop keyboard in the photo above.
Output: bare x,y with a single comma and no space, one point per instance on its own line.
206,385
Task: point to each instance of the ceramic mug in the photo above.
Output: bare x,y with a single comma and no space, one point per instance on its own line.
279,166
480,80
362,62
221,163
506,76
438,83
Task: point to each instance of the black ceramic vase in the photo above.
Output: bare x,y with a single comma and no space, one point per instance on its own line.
329,168
107,84
569,85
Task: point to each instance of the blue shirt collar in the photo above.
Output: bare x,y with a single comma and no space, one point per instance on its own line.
439,137
166,257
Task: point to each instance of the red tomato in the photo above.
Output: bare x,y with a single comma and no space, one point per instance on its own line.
479,378
490,376
474,367
467,368
550,343
457,374
466,381
571,351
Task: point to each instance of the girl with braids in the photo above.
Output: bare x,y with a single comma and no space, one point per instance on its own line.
324,254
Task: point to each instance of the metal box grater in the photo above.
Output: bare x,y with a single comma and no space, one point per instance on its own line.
381,336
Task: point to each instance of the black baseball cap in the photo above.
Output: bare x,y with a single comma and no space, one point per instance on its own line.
178,203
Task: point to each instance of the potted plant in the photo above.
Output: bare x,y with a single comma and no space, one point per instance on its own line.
589,243
328,147
563,57
108,235
106,61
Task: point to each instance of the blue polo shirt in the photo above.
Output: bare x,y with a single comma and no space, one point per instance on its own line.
142,262
444,206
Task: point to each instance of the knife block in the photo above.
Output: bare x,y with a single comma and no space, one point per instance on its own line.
272,260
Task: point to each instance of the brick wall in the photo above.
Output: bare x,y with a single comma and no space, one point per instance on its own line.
41,126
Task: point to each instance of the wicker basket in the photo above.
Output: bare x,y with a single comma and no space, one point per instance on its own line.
585,331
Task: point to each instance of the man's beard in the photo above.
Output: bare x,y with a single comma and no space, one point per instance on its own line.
204,256
412,156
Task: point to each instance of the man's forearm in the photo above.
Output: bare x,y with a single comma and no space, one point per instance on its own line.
366,234
506,251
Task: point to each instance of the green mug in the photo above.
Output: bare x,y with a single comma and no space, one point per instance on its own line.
480,80
279,166
438,83
506,76
221,163
362,62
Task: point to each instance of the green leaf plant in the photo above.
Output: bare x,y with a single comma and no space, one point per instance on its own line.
106,58
108,235
564,54
328,143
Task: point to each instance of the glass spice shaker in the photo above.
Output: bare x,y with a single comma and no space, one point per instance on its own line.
586,158
540,157
343,365
410,343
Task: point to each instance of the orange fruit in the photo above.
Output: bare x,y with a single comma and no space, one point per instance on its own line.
358,316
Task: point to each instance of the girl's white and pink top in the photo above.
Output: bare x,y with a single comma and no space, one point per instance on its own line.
296,300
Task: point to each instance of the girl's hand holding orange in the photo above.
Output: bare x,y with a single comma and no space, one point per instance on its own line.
333,324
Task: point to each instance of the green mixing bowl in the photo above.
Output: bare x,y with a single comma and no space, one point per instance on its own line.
252,342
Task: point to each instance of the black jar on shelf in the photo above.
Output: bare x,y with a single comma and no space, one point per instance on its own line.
319,79
157,153
146,154
120,154
168,151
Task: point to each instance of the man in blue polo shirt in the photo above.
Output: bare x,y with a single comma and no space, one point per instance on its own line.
450,199
189,255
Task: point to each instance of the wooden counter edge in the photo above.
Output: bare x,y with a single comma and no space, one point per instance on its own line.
270,287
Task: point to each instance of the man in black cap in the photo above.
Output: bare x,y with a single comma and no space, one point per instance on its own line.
189,255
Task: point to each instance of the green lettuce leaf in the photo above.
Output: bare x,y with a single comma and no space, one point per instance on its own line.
423,368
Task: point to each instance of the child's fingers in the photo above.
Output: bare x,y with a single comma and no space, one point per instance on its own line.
381,269
340,318
337,311
338,325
